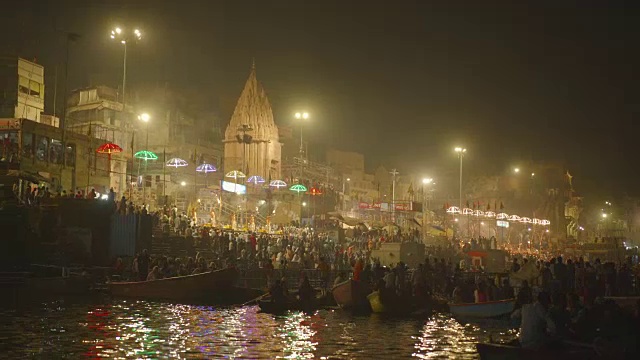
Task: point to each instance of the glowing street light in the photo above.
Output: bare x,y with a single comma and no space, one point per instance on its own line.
301,116
516,170
118,34
604,215
183,183
461,151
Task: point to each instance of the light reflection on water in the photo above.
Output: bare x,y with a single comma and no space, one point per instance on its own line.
137,329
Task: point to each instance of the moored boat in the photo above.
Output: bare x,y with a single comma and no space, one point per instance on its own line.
197,287
351,294
507,352
487,309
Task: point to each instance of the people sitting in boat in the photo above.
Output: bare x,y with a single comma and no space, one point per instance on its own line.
276,292
480,293
506,291
306,293
457,295
201,267
536,326
366,276
118,268
390,280
357,269
493,293
143,262
524,295
560,315
154,274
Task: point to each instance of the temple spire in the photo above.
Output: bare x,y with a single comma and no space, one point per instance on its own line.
253,64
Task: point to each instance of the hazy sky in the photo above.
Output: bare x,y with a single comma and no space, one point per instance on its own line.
402,81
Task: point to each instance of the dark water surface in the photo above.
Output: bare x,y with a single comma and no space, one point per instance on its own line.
139,329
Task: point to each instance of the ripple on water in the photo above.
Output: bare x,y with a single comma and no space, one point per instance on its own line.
139,329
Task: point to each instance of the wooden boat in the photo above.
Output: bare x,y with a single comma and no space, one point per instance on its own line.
508,352
205,286
487,309
351,294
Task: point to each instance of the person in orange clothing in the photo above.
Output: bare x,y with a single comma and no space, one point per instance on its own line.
357,270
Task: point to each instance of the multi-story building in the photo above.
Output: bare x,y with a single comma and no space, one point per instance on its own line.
170,131
35,149
22,83
32,143
98,112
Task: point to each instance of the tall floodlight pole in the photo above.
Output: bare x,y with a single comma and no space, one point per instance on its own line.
145,119
393,173
125,37
425,208
301,116
461,151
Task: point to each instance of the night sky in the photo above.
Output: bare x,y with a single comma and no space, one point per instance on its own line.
401,81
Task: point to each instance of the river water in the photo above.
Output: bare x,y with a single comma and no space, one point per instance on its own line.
140,329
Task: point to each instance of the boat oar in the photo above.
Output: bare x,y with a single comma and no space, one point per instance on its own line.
255,300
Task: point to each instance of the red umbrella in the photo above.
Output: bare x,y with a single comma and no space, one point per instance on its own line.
109,148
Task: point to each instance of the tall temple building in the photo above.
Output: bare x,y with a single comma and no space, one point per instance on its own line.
251,142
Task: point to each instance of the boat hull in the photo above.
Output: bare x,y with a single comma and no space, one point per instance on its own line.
483,310
376,303
350,294
205,286
507,352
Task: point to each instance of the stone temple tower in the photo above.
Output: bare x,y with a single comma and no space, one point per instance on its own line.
251,142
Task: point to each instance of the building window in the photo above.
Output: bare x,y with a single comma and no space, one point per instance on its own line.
34,88
71,154
147,181
27,145
42,147
55,152
23,85
157,179
9,146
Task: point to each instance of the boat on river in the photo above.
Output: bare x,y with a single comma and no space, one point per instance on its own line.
205,286
490,351
487,309
351,295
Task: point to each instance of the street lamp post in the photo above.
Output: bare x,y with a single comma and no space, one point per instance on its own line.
425,209
461,151
144,117
344,194
124,37
301,116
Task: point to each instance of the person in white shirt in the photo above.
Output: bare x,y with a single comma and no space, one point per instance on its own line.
536,327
